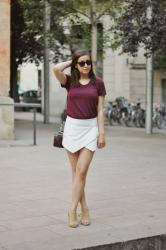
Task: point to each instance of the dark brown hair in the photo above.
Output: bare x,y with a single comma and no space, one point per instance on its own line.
75,74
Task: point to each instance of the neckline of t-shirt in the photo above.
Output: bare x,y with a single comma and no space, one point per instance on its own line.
85,84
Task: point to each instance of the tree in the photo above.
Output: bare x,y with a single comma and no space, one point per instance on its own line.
27,30
86,17
24,45
142,23
27,37
132,29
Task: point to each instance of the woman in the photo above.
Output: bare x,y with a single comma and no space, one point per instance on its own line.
84,127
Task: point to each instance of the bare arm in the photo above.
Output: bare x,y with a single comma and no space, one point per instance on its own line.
58,71
100,119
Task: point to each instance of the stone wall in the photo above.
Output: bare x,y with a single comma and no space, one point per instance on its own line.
159,76
6,118
138,85
4,47
116,75
6,112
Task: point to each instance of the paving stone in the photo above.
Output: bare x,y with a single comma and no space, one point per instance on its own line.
139,230
12,237
31,222
126,192
3,228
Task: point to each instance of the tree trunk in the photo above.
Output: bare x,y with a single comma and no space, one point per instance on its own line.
149,95
94,35
46,63
149,85
13,49
13,81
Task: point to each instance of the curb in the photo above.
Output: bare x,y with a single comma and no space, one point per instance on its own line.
157,242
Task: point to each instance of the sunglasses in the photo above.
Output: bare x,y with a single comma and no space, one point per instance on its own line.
82,63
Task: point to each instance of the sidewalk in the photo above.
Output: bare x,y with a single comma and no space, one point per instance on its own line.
126,191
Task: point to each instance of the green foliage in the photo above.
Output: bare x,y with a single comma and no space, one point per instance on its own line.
132,27
160,60
28,26
25,41
70,26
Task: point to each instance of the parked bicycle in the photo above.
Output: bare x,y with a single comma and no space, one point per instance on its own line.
121,112
158,116
112,113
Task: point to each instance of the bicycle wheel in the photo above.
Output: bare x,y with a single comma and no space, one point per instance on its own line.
160,121
141,118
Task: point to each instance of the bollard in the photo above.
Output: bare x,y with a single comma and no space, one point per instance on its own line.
34,126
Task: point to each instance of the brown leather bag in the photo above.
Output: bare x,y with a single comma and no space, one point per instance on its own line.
58,140
58,137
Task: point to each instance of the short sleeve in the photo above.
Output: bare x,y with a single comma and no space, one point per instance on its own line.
100,87
68,82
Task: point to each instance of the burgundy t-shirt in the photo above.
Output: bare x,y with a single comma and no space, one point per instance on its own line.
82,100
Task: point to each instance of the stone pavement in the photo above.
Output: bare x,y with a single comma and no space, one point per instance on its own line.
126,191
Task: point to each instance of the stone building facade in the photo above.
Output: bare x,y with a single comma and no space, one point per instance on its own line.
123,76
4,47
6,112
126,76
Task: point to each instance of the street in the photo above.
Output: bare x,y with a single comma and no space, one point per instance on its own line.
126,190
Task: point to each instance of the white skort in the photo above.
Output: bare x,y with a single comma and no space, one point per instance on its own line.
80,133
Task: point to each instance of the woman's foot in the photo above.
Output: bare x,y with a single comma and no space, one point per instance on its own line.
85,219
72,219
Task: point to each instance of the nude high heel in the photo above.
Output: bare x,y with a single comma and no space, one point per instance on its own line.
85,219
72,219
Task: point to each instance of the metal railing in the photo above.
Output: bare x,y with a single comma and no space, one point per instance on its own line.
34,107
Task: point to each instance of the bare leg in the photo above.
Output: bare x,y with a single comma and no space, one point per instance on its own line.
73,158
83,162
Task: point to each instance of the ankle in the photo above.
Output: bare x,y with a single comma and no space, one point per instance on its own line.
72,210
72,219
84,208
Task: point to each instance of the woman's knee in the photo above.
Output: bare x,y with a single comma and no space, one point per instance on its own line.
81,172
73,174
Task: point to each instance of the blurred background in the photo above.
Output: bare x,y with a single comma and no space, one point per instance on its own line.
127,41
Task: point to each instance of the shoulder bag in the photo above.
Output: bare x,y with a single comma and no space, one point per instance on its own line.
58,137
